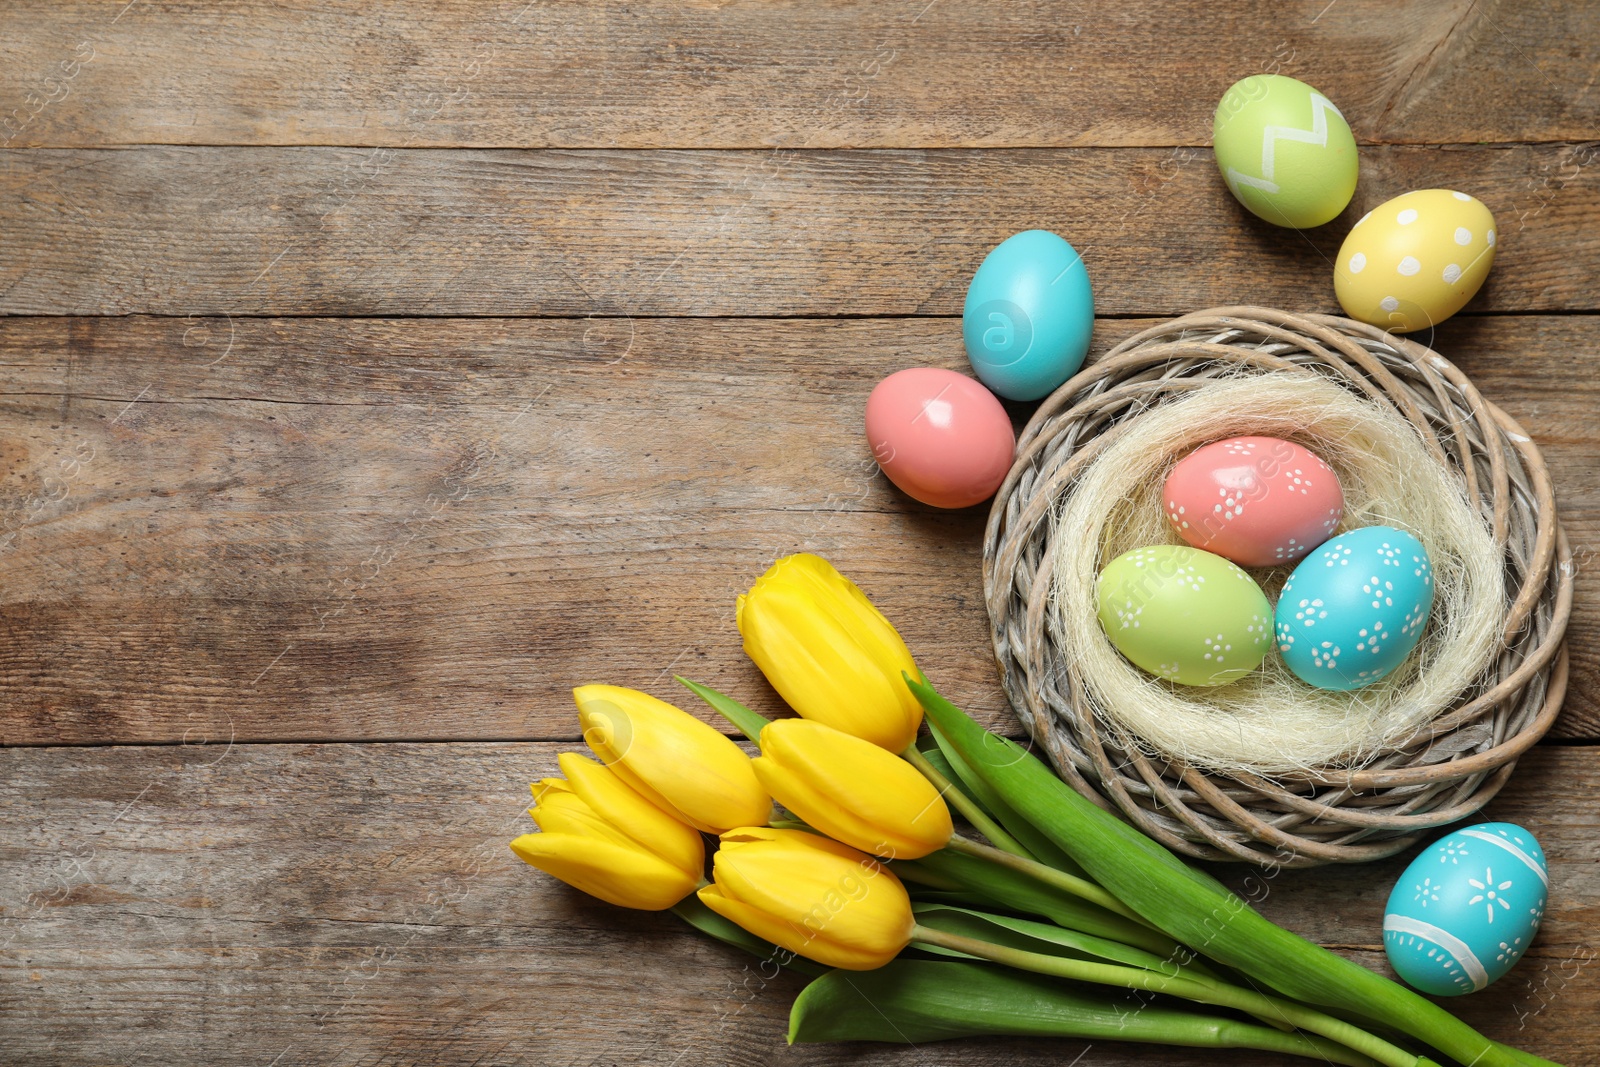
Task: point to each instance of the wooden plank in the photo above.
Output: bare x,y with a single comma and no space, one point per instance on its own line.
749,74
345,904
183,231
305,529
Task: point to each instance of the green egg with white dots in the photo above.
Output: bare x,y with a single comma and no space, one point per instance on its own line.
1184,615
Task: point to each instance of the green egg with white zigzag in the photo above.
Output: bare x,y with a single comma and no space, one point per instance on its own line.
1284,150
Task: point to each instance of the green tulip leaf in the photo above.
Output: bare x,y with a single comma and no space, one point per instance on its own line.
1190,905
1013,891
1042,848
912,1001
948,896
1031,936
746,721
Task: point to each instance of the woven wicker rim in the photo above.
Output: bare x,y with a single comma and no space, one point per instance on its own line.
1451,769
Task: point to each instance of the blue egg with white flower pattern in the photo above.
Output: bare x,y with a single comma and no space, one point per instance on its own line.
1354,609
1466,909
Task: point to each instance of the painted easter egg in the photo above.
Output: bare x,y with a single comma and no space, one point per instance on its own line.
940,436
1259,501
1028,315
1414,261
1466,909
1353,610
1184,615
1285,151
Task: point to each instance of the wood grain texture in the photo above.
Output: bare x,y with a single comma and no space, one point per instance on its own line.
918,73
324,231
309,529
355,904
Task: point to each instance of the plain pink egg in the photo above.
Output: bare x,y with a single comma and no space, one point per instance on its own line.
1259,501
940,436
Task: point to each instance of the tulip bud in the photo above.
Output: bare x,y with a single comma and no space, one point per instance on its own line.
600,836
815,897
679,763
829,653
852,790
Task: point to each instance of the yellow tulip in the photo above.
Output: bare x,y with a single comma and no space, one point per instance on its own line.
815,897
546,785
600,836
829,652
852,790
672,758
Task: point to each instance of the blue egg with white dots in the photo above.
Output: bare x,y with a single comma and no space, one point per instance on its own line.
1466,909
1028,315
1354,609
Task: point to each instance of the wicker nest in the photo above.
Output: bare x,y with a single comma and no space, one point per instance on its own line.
1453,767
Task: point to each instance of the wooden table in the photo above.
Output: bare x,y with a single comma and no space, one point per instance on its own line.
375,375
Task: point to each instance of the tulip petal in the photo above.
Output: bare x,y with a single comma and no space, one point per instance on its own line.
825,888
851,609
566,813
548,785
745,835
852,790
827,815
787,935
829,652
769,927
626,876
613,800
680,763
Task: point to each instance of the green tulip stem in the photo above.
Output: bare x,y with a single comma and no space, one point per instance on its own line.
1524,1057
964,804
1078,887
1216,993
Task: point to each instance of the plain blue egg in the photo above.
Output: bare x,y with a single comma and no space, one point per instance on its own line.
1028,316
1354,609
1466,909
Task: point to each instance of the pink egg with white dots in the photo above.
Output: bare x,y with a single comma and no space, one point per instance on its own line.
1259,501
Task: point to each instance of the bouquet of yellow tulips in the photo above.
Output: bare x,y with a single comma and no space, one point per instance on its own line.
836,851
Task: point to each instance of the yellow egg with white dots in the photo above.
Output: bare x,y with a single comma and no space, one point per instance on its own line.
1414,261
